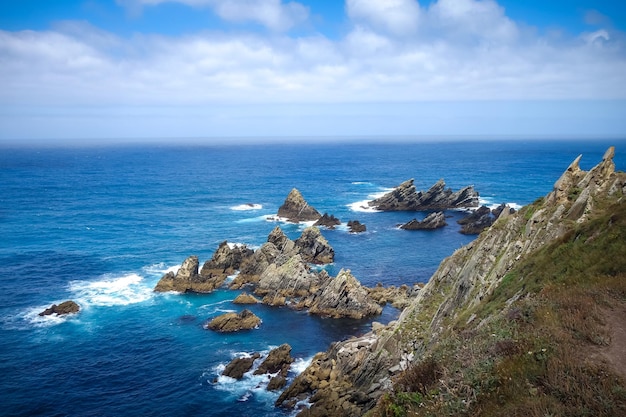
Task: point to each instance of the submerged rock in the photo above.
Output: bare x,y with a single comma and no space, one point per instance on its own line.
296,209
233,322
66,307
405,197
433,221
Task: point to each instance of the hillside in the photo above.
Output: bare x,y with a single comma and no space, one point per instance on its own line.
526,320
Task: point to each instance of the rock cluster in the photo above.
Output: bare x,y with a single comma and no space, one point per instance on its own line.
245,298
276,365
352,375
295,208
66,307
239,366
435,220
233,322
405,197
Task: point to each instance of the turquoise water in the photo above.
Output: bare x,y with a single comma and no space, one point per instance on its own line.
101,225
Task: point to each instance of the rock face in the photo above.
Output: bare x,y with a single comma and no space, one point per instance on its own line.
406,198
295,209
186,279
399,297
278,360
352,375
314,248
328,221
433,221
356,227
287,278
66,307
343,296
233,322
239,366
226,259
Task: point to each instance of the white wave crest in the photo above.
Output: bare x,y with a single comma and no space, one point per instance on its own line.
300,364
124,290
160,269
362,207
247,207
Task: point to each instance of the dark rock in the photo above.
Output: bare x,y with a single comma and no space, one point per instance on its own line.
66,307
226,259
296,209
276,383
406,198
253,266
233,322
187,279
433,221
477,221
239,366
278,360
278,238
498,210
314,248
328,221
356,227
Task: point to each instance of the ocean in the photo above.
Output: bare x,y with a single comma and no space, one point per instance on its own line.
101,224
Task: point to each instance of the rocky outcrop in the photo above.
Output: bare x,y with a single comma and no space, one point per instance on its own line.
433,221
482,218
277,362
314,248
343,296
187,279
239,366
226,259
245,298
352,375
405,197
233,322
295,209
66,307
287,278
278,238
354,226
253,266
399,297
328,221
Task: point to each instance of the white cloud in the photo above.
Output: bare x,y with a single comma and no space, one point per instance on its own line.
272,14
79,66
399,17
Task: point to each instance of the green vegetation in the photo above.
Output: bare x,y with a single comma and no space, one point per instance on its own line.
533,346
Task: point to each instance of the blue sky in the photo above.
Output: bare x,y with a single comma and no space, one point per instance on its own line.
147,69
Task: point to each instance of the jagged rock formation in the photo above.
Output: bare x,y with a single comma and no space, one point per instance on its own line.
225,261
482,218
352,375
233,322
253,266
66,307
342,296
239,366
277,362
356,226
314,248
295,208
288,277
245,298
406,198
328,221
435,220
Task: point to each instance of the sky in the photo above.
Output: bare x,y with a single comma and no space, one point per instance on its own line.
87,70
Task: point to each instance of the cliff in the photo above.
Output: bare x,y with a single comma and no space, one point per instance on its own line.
504,324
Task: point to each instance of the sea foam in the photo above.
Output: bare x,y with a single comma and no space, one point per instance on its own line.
113,291
247,207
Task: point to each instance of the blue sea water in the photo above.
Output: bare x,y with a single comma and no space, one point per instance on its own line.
101,225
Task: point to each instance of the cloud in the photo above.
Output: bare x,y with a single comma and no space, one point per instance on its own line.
399,17
79,65
273,14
